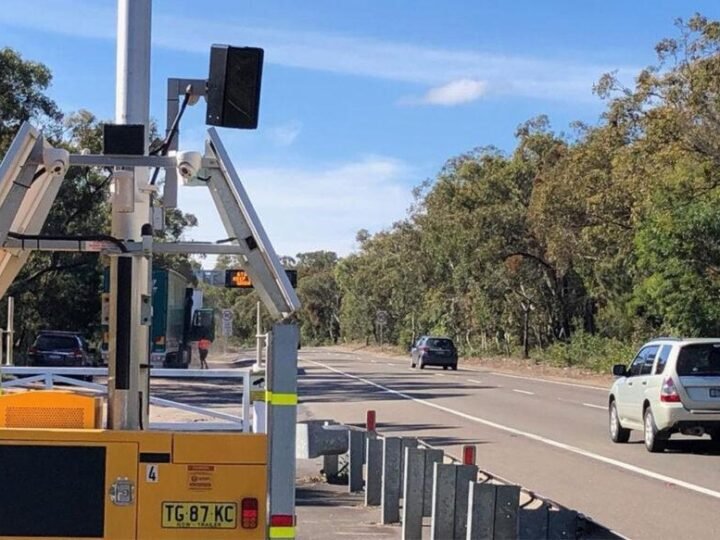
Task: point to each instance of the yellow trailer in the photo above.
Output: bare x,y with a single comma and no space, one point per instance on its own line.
95,483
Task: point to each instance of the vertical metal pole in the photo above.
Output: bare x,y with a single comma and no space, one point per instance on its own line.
281,398
247,389
128,407
259,338
10,331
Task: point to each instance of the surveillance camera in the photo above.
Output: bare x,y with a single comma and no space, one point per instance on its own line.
56,160
188,164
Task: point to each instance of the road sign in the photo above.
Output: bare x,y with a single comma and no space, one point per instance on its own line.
227,320
227,328
381,317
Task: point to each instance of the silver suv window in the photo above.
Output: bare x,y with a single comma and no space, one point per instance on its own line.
662,359
699,360
642,365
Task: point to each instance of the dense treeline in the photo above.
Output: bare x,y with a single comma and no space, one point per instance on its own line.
573,244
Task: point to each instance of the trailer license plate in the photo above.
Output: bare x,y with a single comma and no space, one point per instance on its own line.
715,392
199,515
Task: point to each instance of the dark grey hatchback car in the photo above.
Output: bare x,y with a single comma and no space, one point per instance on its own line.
434,351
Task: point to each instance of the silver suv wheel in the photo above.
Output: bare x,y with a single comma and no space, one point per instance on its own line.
654,440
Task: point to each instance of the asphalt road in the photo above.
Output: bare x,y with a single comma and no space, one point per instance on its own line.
549,437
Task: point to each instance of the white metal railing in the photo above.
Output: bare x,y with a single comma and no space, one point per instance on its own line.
47,377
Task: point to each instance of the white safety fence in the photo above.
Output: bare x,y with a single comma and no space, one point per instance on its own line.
48,377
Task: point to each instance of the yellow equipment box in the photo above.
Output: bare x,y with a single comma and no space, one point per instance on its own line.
50,409
127,485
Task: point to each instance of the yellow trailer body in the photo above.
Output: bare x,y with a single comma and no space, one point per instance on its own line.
132,484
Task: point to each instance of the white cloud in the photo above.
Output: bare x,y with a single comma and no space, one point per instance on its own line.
515,75
313,208
451,94
285,134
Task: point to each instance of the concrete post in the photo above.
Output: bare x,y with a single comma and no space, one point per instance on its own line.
390,500
432,456
534,522
373,476
407,442
481,512
412,519
464,476
562,523
507,500
355,460
442,524
331,465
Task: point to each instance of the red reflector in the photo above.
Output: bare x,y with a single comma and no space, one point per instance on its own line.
282,521
249,513
468,455
370,422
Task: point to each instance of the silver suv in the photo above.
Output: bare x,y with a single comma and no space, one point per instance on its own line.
672,386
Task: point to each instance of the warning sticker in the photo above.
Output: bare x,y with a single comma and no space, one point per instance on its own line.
200,477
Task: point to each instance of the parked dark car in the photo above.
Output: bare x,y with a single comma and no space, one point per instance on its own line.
434,351
55,348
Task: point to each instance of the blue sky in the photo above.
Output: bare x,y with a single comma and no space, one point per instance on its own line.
362,99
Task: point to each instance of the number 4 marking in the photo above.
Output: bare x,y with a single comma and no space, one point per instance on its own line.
151,473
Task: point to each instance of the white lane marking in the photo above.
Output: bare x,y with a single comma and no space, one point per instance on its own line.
548,381
592,405
523,392
475,381
539,438
440,374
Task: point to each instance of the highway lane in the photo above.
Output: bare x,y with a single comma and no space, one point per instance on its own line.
549,437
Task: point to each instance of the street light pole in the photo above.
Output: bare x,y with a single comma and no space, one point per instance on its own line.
130,275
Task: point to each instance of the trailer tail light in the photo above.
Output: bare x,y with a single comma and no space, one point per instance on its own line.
249,513
668,392
282,520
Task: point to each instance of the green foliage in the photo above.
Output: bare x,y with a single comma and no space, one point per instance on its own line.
22,97
588,351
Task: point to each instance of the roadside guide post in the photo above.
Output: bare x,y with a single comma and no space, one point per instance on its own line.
281,397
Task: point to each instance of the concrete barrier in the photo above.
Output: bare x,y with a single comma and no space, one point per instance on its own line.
432,456
356,453
493,512
390,499
406,442
412,515
374,472
442,524
464,476
317,438
331,466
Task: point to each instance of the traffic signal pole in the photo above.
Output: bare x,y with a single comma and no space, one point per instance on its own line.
130,275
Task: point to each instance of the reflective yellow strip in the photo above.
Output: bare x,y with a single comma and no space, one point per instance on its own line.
280,399
282,532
